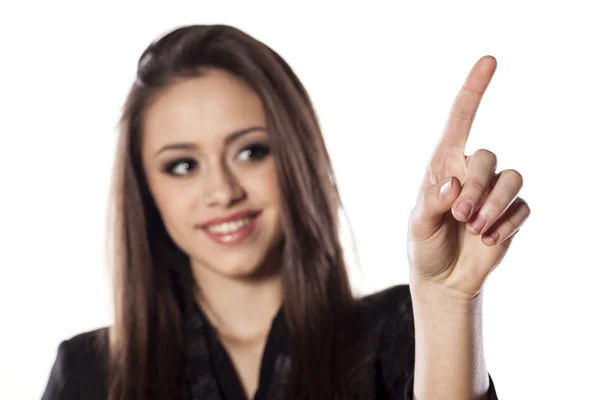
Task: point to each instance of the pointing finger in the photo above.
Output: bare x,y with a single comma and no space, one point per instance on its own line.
466,103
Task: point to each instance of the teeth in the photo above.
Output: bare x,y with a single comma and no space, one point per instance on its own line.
229,227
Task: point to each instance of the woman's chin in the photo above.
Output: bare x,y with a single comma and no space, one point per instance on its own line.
248,272
244,268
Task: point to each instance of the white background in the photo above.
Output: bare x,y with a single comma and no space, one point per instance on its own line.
382,78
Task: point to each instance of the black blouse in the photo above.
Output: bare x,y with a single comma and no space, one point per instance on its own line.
79,371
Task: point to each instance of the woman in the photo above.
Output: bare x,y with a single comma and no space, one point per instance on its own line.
229,277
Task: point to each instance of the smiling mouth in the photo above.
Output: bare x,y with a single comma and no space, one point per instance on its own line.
232,232
227,228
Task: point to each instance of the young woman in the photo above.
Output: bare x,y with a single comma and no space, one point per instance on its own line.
229,276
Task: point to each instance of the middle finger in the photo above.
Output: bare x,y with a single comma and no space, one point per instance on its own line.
480,172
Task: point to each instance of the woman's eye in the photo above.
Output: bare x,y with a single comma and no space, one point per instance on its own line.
180,167
254,152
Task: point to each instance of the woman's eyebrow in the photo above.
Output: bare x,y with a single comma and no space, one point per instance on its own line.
230,138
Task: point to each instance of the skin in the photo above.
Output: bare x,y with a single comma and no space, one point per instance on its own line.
449,261
210,175
450,258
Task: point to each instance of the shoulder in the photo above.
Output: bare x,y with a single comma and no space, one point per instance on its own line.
387,305
388,297
388,317
80,367
91,343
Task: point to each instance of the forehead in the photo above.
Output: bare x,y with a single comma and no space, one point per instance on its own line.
203,108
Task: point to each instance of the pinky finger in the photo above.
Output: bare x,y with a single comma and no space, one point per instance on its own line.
508,224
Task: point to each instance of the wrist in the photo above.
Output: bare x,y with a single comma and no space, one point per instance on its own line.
435,297
448,342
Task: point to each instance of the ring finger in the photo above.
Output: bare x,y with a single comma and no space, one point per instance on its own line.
501,196
509,224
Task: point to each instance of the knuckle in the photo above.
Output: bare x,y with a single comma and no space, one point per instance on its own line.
512,225
487,156
463,115
514,175
526,208
508,227
494,207
475,186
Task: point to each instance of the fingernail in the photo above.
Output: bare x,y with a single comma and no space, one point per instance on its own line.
478,224
492,237
464,209
446,187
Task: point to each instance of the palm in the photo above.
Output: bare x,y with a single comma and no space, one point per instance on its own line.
448,253
453,254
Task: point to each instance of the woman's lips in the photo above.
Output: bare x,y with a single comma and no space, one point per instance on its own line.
230,218
232,232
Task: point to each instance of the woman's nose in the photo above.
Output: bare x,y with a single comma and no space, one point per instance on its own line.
221,187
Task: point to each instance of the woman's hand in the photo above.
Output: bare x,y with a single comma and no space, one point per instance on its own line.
448,244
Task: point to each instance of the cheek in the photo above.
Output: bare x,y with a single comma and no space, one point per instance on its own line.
263,191
262,186
173,204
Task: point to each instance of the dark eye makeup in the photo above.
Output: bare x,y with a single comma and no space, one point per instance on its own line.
180,166
183,166
254,152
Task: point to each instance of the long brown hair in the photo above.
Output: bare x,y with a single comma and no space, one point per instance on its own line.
146,346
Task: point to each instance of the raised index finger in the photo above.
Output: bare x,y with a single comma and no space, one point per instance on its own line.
466,103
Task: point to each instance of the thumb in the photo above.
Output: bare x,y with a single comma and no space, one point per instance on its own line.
433,203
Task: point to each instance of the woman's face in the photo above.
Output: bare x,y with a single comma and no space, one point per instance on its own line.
208,163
